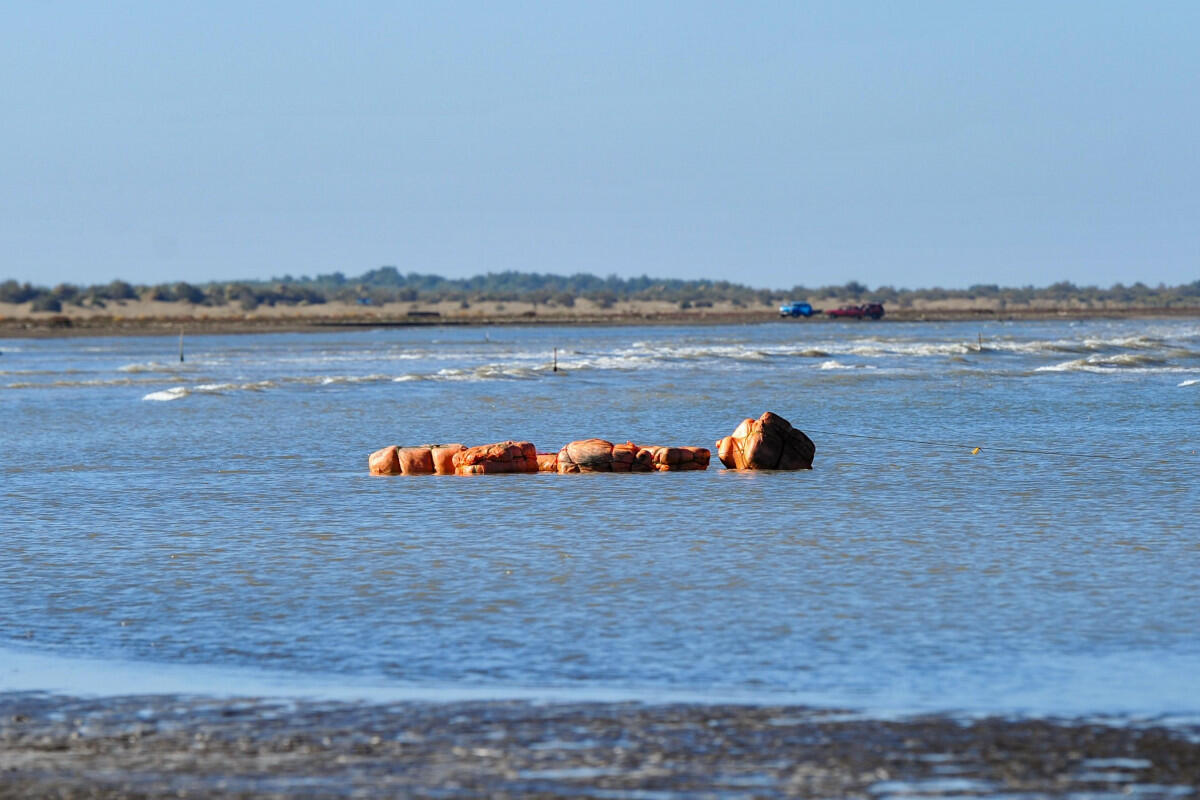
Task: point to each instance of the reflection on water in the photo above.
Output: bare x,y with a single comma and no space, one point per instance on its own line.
232,524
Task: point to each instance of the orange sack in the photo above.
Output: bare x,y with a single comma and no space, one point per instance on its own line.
601,455
586,455
769,442
491,459
415,460
443,457
677,459
629,457
384,462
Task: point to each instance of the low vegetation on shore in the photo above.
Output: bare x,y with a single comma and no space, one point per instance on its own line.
387,285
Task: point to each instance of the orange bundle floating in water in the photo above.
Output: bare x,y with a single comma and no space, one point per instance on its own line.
601,455
678,459
586,455
384,462
443,457
401,461
492,459
629,457
426,459
414,460
769,442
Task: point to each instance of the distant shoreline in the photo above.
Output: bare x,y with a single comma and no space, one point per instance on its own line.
148,318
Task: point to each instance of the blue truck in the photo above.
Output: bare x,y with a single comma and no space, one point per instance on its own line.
796,310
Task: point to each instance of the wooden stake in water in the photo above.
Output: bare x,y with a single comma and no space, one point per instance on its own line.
181,345
556,359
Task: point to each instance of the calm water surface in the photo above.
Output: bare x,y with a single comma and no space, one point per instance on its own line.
215,518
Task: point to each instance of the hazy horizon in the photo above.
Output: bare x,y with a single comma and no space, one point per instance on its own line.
770,144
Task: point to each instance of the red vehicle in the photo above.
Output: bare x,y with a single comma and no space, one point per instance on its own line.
870,310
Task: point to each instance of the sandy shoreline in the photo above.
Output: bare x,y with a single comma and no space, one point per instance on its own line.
139,318
170,745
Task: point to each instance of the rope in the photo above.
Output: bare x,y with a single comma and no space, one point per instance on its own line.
972,447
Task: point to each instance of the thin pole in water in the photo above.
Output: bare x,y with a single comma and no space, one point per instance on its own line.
181,345
556,359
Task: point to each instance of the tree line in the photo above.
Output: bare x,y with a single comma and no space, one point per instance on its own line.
388,284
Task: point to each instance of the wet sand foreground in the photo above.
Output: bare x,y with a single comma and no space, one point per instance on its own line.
157,746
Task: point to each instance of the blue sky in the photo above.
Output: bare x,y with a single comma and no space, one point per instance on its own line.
774,144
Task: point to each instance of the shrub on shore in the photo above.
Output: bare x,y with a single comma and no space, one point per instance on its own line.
387,285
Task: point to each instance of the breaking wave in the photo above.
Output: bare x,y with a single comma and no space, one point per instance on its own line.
1009,350
489,372
174,393
1087,345
97,382
327,380
149,366
665,354
1112,366
912,349
1105,361
835,364
180,392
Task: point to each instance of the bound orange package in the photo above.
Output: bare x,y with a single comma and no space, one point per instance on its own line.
769,442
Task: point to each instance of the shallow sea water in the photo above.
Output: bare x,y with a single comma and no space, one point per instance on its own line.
214,520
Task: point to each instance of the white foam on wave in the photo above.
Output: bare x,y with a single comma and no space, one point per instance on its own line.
485,372
1036,347
835,364
1122,362
1087,345
1142,342
919,349
148,366
1109,366
174,393
476,375
353,356
1191,382
491,372
1128,359
180,392
645,353
612,362
327,380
